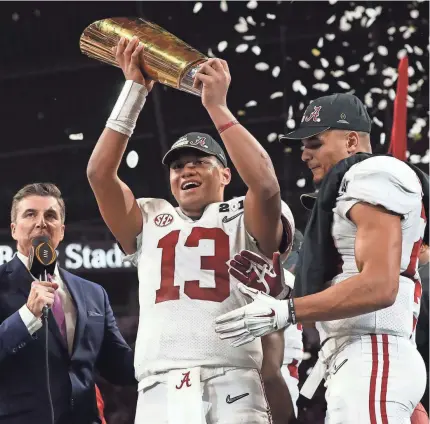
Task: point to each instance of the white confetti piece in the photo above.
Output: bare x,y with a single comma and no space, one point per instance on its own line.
242,48
344,85
252,5
339,61
418,50
401,53
412,88
250,20
251,103
353,68
368,57
419,66
210,53
296,85
302,105
391,30
261,66
344,25
271,16
321,86
242,26
330,37
338,73
290,112
132,159
376,90
370,22
388,82
223,6
291,123
320,42
324,62
382,50
256,50
276,95
382,104
319,74
222,45
249,37
368,101
378,122
301,183
414,159
331,20
382,138
389,72
272,137
304,64
303,90
425,159
276,71
411,71
372,69
332,1
197,7
409,48
414,14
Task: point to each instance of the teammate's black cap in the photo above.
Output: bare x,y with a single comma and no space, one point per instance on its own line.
199,141
339,111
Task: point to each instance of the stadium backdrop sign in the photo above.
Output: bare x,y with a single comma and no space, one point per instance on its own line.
76,256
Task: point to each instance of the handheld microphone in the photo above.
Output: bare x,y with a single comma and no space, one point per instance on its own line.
42,260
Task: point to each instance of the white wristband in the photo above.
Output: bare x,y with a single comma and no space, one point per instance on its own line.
127,108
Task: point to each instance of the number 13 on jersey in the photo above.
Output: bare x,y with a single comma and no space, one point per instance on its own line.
217,263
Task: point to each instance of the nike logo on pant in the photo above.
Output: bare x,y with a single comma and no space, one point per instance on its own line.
234,399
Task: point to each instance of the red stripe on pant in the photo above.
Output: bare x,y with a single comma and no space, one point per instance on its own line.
384,383
373,375
384,379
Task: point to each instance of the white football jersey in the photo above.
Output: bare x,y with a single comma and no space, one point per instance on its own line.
388,182
184,285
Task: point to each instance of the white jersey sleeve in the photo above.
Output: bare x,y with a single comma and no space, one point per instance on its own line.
289,227
383,181
148,207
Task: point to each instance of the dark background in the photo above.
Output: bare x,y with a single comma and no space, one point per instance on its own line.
50,92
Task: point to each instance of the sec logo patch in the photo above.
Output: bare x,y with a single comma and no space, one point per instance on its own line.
163,220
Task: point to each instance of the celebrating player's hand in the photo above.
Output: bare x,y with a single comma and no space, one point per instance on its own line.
263,316
41,294
256,272
215,77
129,56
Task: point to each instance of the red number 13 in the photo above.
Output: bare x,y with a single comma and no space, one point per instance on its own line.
217,263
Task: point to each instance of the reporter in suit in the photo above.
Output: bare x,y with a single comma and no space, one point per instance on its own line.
82,332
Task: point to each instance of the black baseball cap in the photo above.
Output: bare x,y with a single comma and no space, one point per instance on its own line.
338,111
199,141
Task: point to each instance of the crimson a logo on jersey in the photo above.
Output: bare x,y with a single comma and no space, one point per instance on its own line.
163,220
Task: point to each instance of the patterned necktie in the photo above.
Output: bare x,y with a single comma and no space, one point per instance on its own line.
58,312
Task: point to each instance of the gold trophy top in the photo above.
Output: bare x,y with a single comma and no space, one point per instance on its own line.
167,59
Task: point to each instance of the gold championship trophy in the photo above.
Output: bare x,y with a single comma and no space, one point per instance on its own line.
166,58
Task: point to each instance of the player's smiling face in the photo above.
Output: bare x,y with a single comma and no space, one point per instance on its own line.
197,180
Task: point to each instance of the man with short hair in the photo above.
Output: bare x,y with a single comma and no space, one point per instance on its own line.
81,330
357,273
186,374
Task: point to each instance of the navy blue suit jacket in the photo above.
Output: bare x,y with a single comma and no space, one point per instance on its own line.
98,345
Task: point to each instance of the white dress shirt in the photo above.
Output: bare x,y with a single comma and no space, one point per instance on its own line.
33,323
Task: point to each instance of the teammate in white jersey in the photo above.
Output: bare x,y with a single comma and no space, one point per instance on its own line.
367,316
186,374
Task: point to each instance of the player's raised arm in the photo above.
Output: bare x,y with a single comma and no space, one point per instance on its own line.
263,199
116,201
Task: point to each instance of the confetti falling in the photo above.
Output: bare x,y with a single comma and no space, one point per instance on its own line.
358,52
